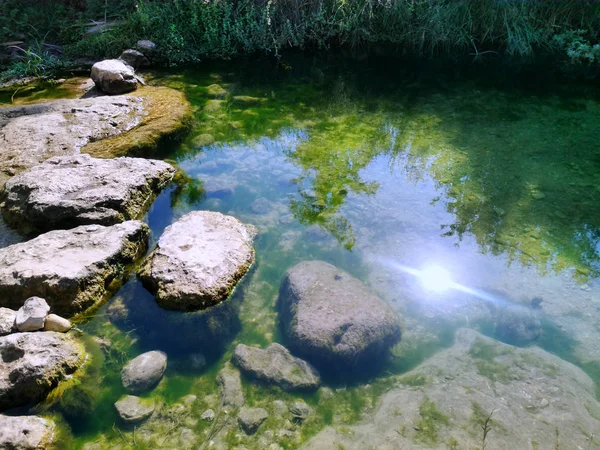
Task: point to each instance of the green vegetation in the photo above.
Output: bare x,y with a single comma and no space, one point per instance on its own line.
414,380
430,422
487,366
189,31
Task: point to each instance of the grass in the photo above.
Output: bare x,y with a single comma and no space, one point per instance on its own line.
485,360
430,422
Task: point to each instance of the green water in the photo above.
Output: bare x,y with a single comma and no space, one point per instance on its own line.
371,165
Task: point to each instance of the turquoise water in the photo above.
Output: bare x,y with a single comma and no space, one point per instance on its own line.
381,168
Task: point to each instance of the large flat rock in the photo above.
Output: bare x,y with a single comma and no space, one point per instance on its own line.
33,133
25,432
330,317
198,260
67,191
71,269
538,401
33,364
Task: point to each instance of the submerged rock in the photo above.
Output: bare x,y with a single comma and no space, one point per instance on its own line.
33,133
132,409
25,432
7,321
300,411
67,191
331,317
532,394
250,419
144,371
275,365
230,384
208,415
32,315
33,364
72,269
113,76
516,324
198,260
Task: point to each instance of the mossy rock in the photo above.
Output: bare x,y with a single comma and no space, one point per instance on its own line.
169,117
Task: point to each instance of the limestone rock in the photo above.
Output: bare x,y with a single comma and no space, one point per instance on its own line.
275,365
113,76
465,383
331,317
67,191
516,324
72,269
132,409
31,134
250,419
7,321
134,58
144,371
230,384
33,364
25,432
300,411
198,260
57,323
208,415
146,47
32,315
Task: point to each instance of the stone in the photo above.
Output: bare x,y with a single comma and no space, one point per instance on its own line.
144,372
203,139
261,206
7,321
113,76
516,324
331,317
300,411
30,134
132,409
474,377
198,260
72,269
67,191
32,315
230,384
208,415
250,419
57,323
134,58
276,366
25,432
147,47
33,364
216,91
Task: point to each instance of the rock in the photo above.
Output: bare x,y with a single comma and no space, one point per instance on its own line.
57,323
250,419
261,206
33,364
134,58
197,361
113,76
468,381
7,321
216,91
31,134
67,191
280,408
32,315
246,100
72,269
275,365
132,409
25,432
208,415
198,260
203,140
144,371
516,324
230,384
331,317
148,48
300,411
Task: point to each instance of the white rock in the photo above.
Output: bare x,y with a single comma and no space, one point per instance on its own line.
32,315
7,321
57,323
114,76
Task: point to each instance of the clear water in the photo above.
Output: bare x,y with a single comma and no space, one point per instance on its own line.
375,166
